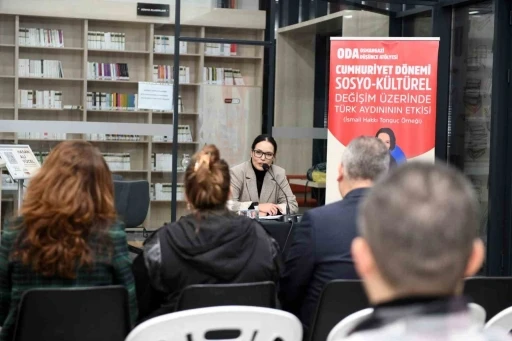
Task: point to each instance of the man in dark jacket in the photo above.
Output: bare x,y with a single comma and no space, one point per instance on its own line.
320,249
216,247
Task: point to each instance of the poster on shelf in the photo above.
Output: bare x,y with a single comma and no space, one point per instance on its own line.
155,96
382,87
19,160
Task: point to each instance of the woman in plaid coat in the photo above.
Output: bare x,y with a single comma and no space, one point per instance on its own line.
66,234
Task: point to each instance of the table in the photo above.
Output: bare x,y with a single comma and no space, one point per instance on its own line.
307,183
320,186
277,229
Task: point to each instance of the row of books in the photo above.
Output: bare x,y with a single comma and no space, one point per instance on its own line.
184,135
216,49
111,101
118,161
165,44
113,137
165,73
161,162
40,37
40,68
163,191
42,99
227,4
106,40
107,71
222,76
41,136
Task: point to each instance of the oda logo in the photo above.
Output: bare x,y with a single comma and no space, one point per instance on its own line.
232,100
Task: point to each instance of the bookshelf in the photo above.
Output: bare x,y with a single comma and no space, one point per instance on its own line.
138,54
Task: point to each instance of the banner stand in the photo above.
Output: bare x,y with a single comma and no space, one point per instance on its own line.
384,87
20,193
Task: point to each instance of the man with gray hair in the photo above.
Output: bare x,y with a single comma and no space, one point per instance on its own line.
419,239
320,247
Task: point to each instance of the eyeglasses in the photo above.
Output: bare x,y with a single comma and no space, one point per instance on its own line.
259,153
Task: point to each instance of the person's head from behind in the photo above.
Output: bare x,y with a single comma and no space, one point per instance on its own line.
207,180
387,136
68,200
419,234
363,161
263,151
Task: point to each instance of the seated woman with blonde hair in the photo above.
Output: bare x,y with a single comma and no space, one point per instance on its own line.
211,245
66,234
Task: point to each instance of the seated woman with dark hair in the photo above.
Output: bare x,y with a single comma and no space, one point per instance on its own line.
210,245
66,234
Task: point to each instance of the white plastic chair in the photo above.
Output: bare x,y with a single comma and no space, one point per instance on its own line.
478,313
346,325
254,323
502,320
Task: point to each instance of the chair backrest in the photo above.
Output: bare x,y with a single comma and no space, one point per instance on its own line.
243,323
78,314
117,177
339,299
477,313
494,294
132,201
502,320
261,294
345,326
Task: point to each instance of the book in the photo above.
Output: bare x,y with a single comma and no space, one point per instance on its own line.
165,44
40,99
40,37
40,68
165,74
216,49
222,76
97,40
111,101
107,71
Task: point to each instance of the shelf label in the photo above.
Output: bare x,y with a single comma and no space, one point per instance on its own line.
153,10
155,96
19,160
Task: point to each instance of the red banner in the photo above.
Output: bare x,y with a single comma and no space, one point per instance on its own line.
384,87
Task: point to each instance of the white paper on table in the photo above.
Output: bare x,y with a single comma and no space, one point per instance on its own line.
270,217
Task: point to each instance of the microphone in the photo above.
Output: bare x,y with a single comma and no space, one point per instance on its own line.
266,168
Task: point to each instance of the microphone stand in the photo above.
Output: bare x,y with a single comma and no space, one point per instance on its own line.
286,217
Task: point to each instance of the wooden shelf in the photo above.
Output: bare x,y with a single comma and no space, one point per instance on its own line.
113,81
52,79
113,141
233,57
181,54
42,140
49,109
51,48
181,84
119,51
5,76
7,45
171,113
119,111
166,142
6,106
